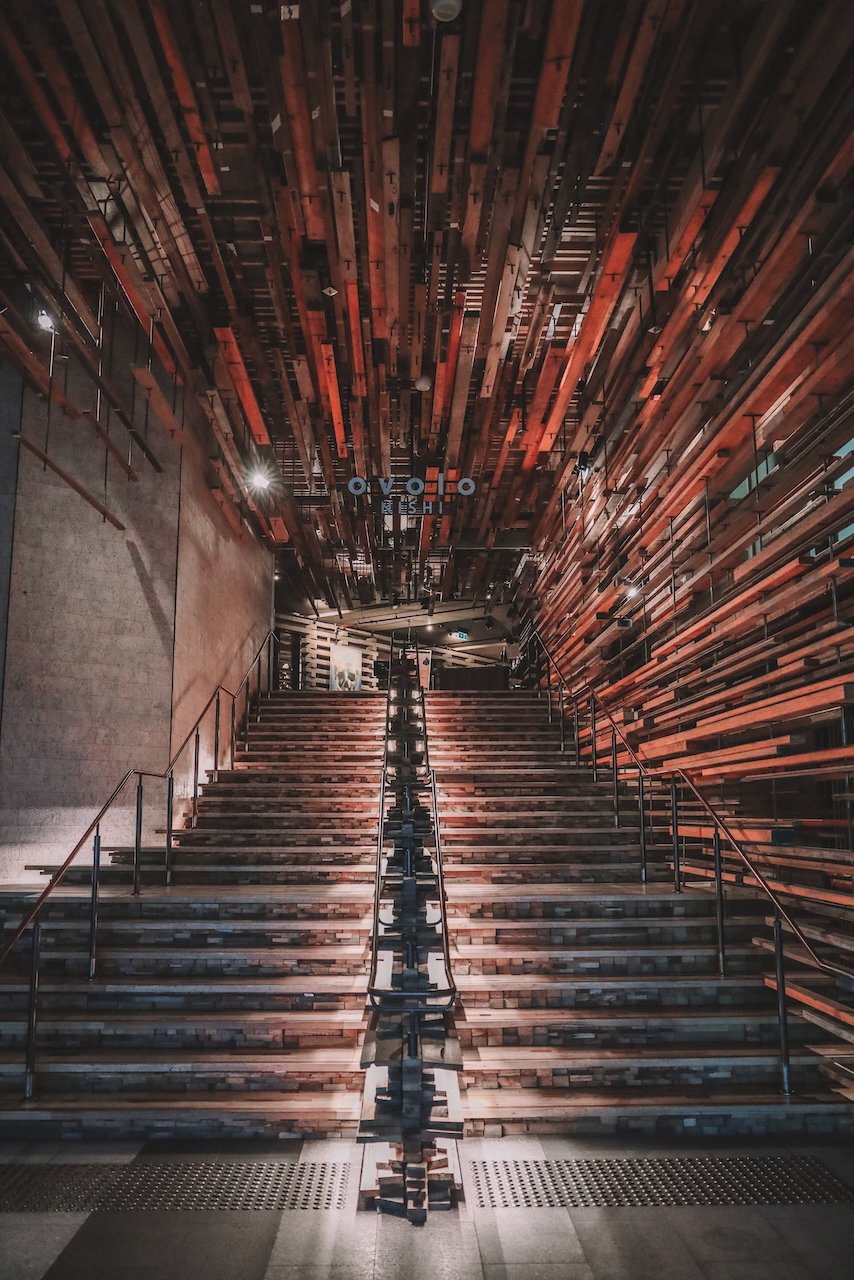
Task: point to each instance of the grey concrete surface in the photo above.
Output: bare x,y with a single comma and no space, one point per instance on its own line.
714,1242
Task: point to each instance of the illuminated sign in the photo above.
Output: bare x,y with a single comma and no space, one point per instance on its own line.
413,496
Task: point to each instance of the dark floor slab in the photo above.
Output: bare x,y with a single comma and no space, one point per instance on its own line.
224,1245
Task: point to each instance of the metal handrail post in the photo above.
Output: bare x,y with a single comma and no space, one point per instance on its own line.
137,838
719,904
576,732
216,737
32,1012
170,800
93,906
642,816
674,819
593,737
782,1015
233,737
549,688
616,777
560,707
196,751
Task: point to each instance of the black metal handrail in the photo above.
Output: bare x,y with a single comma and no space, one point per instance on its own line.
378,878
445,998
720,828
32,918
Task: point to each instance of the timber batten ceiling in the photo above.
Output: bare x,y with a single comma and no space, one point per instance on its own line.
591,226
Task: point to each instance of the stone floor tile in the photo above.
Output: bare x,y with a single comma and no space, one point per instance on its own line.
30,1242
527,1236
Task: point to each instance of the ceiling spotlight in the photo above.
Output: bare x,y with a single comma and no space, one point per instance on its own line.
424,382
45,322
259,480
632,591
445,10
430,626
330,291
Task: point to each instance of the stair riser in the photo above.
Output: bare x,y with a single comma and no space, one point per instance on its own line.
124,913
223,965
170,1081
651,996
283,875
679,1122
644,1034
671,1074
109,1039
606,966
95,1000
207,935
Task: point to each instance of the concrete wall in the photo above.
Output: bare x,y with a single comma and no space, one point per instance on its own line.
224,609
89,644
10,412
100,649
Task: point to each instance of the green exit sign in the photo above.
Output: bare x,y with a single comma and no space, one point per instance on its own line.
461,635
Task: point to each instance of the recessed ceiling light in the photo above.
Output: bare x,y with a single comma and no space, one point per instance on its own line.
424,382
330,291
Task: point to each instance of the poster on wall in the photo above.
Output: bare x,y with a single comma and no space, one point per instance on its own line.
425,665
345,668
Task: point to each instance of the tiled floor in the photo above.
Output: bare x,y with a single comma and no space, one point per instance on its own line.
790,1242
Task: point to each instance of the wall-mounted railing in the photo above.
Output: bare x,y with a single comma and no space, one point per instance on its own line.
234,707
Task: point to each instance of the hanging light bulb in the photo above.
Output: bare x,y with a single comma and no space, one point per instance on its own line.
445,10
45,321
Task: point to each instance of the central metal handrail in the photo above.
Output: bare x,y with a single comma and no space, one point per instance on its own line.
444,998
721,828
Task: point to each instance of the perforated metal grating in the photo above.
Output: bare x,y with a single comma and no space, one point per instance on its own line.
550,1184
147,1185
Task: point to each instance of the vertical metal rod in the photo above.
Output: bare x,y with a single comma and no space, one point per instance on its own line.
549,682
782,1015
719,904
593,736
170,800
216,736
277,661
674,818
616,776
32,1013
137,838
93,910
258,683
560,708
233,735
575,730
642,816
196,744
269,664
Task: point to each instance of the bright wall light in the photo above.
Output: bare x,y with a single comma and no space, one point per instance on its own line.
45,322
259,480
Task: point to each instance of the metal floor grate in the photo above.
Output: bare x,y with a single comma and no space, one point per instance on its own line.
736,1180
148,1185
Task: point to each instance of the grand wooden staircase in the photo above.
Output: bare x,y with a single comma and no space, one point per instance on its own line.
232,1001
